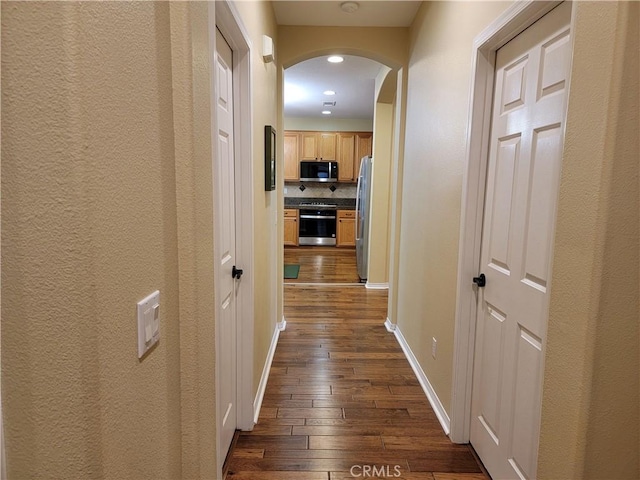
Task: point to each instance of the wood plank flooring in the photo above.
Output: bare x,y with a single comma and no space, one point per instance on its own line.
323,264
342,401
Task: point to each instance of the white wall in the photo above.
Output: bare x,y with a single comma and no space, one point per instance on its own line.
329,124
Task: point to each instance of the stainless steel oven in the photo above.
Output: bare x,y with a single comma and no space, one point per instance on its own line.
317,224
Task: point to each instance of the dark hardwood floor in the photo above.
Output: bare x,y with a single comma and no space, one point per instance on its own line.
323,264
342,401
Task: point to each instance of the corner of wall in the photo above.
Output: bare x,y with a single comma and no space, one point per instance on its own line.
591,386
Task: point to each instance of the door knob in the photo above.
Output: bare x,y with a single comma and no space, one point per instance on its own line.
481,281
236,272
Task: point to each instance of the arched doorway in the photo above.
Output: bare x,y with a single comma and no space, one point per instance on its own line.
389,48
329,109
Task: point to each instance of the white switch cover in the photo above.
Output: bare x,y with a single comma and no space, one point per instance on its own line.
148,322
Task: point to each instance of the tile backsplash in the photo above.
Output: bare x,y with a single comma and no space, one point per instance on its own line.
320,190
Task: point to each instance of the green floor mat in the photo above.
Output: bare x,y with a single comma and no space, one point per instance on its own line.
291,271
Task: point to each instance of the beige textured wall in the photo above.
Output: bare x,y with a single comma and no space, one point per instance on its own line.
439,77
386,45
194,208
88,229
591,394
259,19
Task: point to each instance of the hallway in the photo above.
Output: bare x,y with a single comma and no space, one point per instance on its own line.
342,400
323,264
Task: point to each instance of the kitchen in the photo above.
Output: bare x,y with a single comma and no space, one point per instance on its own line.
329,110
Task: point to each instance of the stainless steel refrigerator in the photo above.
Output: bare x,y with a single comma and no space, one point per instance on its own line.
363,209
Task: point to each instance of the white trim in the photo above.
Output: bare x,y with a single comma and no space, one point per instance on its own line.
3,458
282,325
232,28
513,21
389,325
435,402
214,126
262,386
224,15
310,284
377,286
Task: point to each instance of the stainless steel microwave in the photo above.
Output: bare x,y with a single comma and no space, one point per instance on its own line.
318,171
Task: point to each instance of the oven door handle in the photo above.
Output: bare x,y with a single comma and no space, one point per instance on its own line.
318,217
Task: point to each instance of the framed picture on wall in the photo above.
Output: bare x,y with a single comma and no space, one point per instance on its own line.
269,158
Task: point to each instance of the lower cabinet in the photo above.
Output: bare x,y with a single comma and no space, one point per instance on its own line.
346,229
291,227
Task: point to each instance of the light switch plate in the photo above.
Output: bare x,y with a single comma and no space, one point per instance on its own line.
148,322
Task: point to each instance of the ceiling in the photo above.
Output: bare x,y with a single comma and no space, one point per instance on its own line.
354,79
370,13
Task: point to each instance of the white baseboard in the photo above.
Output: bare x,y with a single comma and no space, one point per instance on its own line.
377,286
391,327
435,402
3,458
257,403
282,325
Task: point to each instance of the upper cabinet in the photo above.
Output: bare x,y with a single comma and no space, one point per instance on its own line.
352,146
291,152
308,145
346,152
318,146
346,148
364,145
327,146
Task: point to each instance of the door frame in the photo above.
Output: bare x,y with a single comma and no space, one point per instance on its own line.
224,16
511,23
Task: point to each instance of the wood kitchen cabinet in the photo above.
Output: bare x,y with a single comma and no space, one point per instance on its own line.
318,146
308,145
346,148
291,227
291,153
346,228
346,152
352,146
364,147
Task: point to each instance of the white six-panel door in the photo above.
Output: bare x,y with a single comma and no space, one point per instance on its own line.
226,249
529,106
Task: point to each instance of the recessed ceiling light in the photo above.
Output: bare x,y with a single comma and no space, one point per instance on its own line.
335,59
326,112
349,7
329,92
